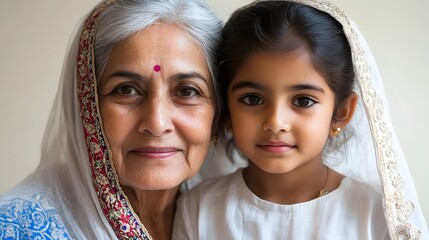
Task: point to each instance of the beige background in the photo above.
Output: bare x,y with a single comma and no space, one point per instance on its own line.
34,36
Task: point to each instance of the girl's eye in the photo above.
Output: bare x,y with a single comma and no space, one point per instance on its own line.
303,102
126,90
188,92
252,100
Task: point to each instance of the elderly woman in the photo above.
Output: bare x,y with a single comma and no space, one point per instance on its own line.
132,121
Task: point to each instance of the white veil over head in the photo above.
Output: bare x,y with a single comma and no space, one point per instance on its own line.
58,196
62,184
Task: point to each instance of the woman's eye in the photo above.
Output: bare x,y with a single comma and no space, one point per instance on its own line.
188,92
252,100
126,90
303,102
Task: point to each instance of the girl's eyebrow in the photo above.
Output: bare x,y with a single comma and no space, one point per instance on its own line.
257,86
245,84
306,87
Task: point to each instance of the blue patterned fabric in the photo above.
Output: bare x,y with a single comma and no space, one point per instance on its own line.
30,217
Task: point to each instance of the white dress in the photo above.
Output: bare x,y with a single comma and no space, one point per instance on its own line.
225,208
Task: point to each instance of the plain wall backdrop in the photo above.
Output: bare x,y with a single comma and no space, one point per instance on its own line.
34,36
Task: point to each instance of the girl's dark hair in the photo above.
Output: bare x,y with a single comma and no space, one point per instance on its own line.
282,26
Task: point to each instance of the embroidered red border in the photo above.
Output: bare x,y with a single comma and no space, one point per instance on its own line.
113,202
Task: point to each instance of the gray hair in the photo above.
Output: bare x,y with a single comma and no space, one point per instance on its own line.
126,17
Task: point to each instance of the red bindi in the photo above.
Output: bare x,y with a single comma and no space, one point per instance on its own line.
157,68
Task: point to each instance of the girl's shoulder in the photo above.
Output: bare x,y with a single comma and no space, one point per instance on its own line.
354,187
359,197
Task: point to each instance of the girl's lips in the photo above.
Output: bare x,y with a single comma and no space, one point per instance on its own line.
155,152
277,148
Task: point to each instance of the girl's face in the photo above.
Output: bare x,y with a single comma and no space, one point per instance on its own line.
157,104
281,110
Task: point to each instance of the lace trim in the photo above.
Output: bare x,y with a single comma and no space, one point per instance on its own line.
114,203
398,208
31,217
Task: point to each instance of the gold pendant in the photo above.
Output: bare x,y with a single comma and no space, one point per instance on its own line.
323,192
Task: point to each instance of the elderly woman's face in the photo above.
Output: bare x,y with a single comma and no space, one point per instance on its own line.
157,105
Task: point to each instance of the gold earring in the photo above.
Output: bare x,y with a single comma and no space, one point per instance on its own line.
337,131
214,140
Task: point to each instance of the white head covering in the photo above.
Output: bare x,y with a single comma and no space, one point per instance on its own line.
75,191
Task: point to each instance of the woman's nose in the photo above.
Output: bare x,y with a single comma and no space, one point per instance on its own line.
277,120
157,117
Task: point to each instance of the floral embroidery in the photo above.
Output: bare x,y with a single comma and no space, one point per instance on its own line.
398,208
113,202
29,218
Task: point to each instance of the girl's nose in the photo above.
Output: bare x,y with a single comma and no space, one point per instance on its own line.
276,120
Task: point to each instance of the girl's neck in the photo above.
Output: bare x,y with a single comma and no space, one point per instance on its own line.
155,209
300,185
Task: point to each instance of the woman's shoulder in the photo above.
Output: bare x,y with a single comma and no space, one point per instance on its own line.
30,215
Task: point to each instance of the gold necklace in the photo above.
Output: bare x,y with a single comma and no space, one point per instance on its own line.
325,190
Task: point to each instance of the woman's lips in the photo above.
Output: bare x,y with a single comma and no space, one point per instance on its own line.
156,152
276,147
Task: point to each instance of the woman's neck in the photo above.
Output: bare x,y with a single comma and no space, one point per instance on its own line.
155,209
300,185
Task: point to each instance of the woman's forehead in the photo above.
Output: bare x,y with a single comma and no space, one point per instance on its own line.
163,48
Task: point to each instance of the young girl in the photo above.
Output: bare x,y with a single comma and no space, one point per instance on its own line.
304,104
